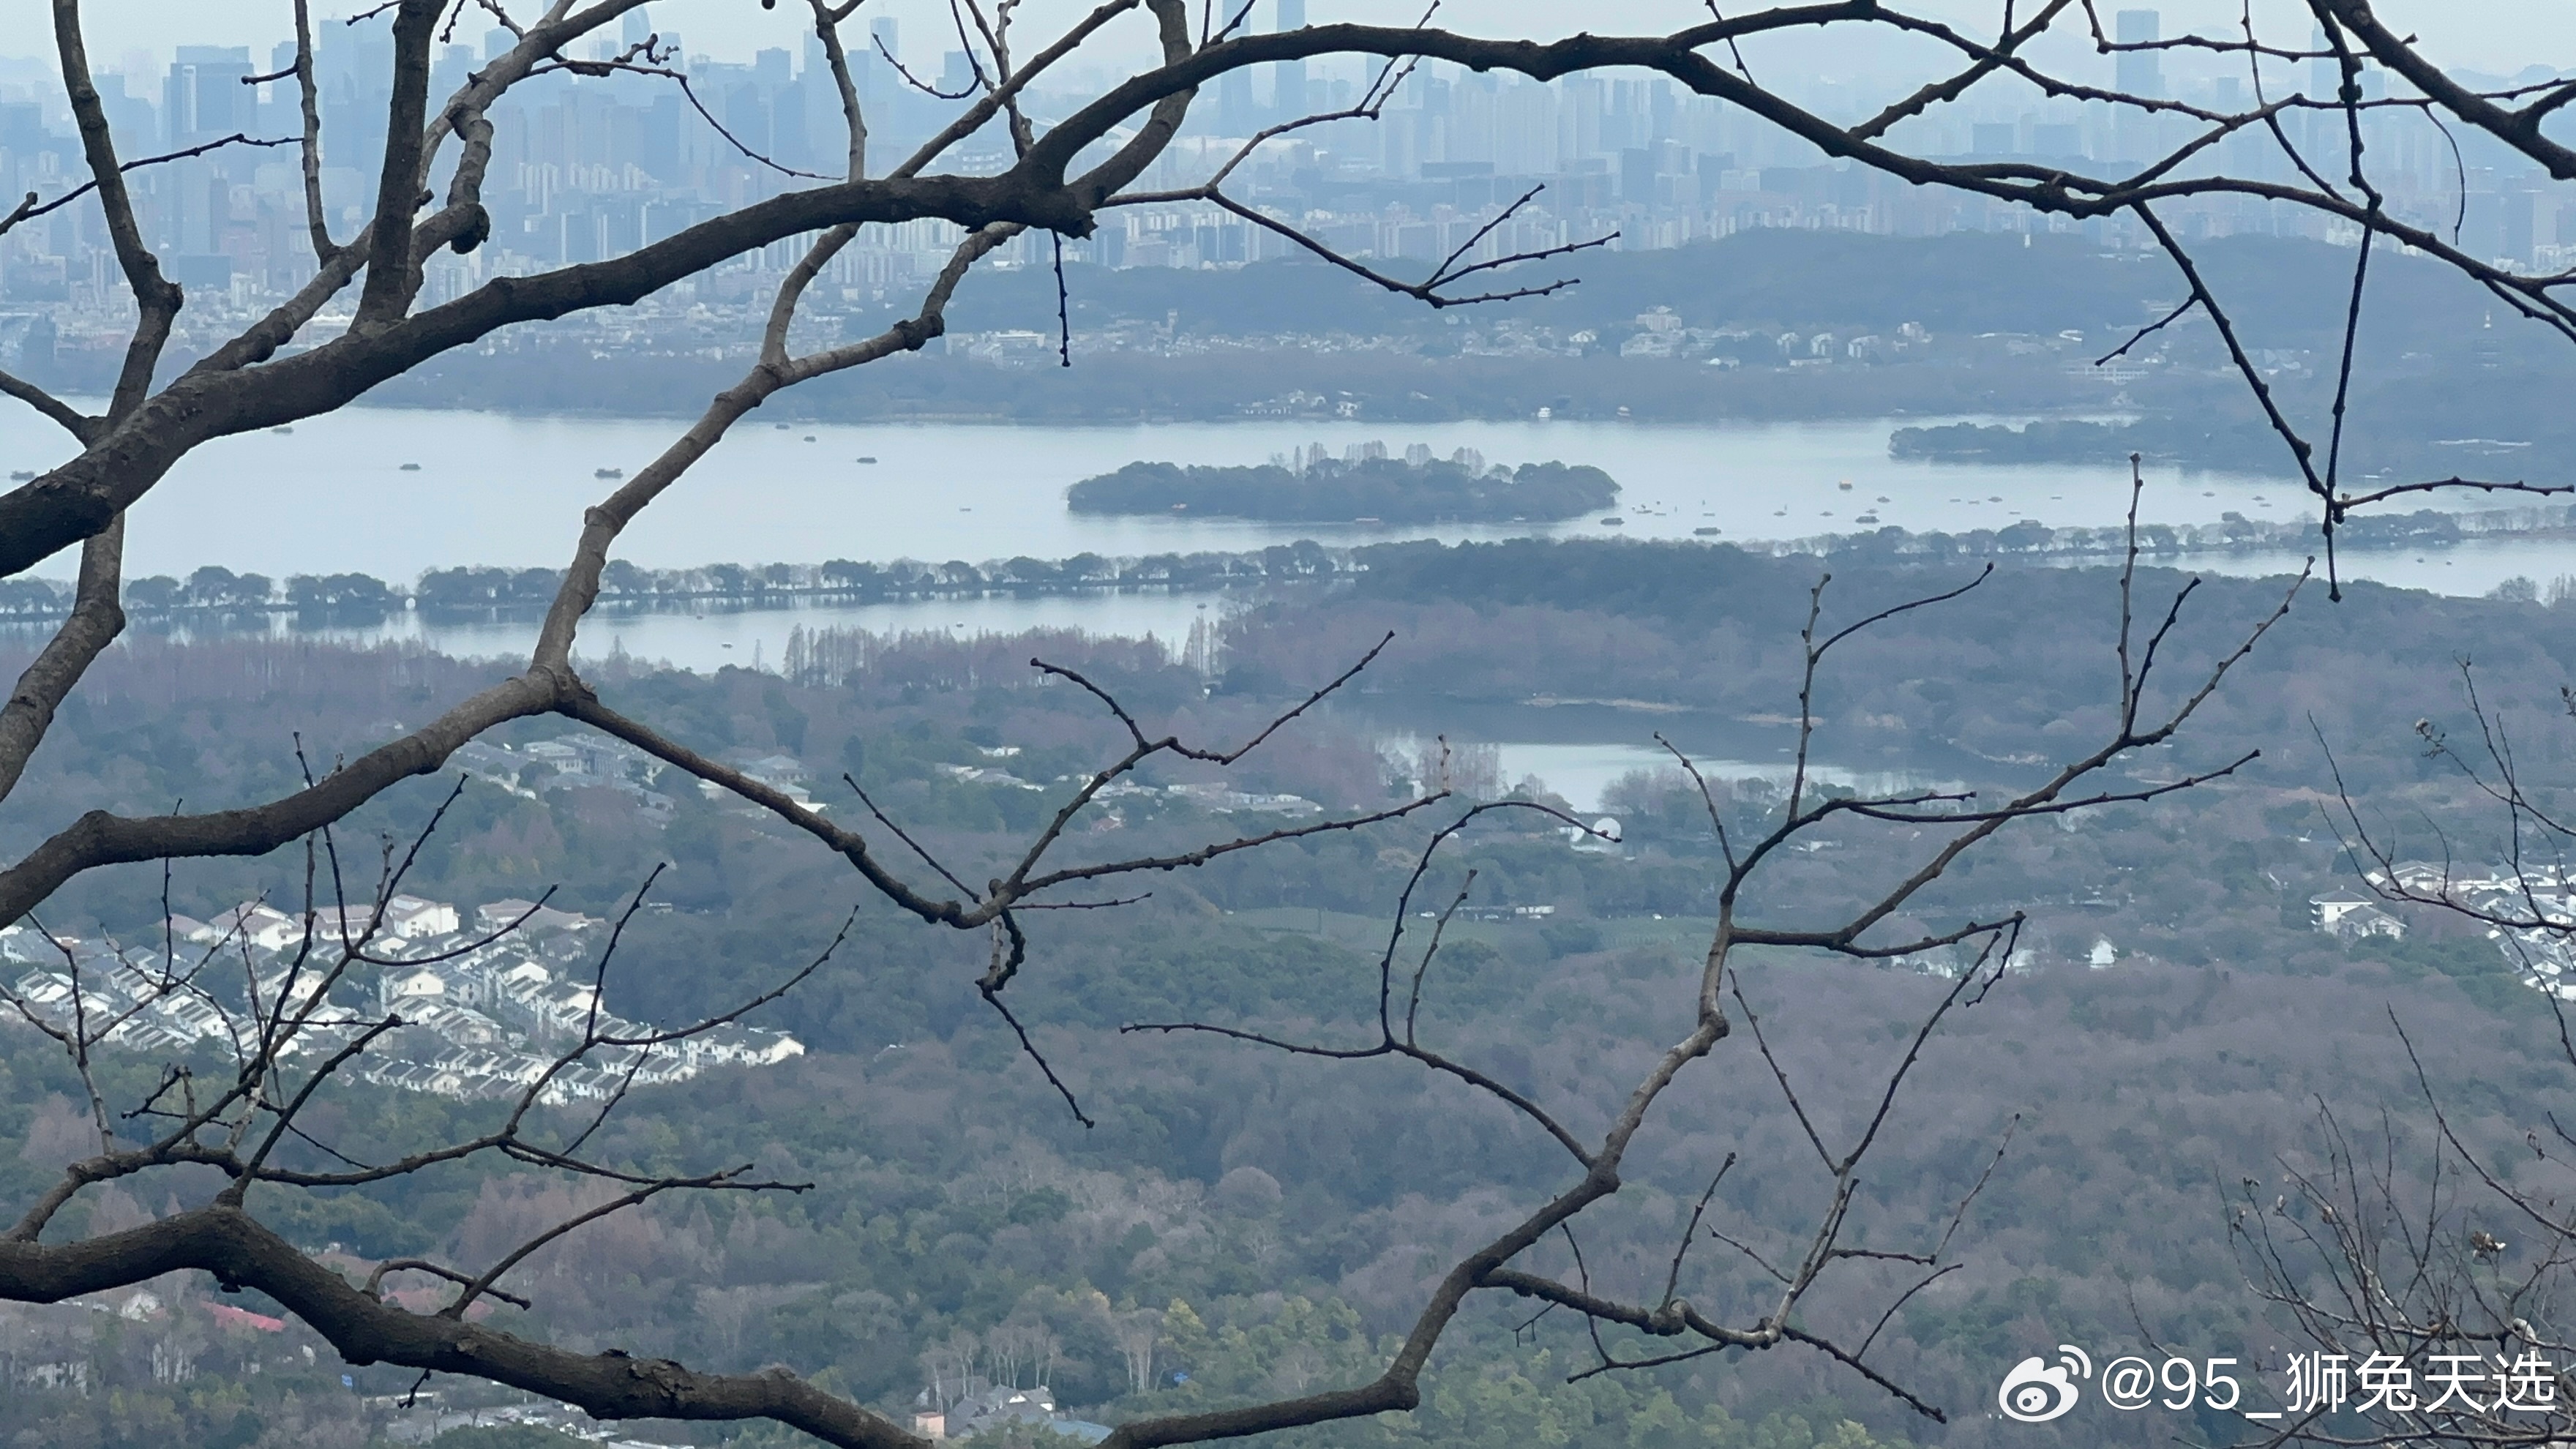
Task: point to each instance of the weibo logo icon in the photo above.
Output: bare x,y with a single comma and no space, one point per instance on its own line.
2037,1391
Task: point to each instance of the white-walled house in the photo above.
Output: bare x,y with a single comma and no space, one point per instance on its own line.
2327,911
261,925
412,918
413,986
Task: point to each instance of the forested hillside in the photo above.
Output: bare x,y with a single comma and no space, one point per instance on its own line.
1243,1222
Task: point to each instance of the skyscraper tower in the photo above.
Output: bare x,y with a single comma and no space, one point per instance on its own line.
2327,138
874,72
2139,72
1288,77
1234,104
203,96
2325,73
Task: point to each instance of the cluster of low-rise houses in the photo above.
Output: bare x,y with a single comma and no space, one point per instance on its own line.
580,761
429,1423
490,1002
571,762
596,762
1008,1413
2349,915
1215,797
2530,912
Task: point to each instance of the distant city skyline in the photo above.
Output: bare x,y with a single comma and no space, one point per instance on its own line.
2492,35
587,168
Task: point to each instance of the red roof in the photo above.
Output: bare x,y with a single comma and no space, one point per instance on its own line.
231,1317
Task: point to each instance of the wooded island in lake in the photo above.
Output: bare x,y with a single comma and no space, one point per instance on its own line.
1416,488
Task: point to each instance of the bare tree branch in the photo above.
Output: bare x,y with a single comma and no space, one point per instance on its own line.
254,1121
96,620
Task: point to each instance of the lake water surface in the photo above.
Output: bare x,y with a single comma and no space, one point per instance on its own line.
334,495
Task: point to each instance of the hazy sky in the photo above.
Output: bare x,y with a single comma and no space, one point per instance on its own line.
2493,35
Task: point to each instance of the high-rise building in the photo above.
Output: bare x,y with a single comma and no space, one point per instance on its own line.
1637,176
281,113
1234,104
2325,73
1288,77
127,115
826,129
1526,130
875,72
204,98
2139,72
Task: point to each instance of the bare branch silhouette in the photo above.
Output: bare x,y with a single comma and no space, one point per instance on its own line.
289,1048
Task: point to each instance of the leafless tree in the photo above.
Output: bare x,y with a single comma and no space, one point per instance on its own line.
2423,1245
1137,1332
2435,1262
950,1369
1059,177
